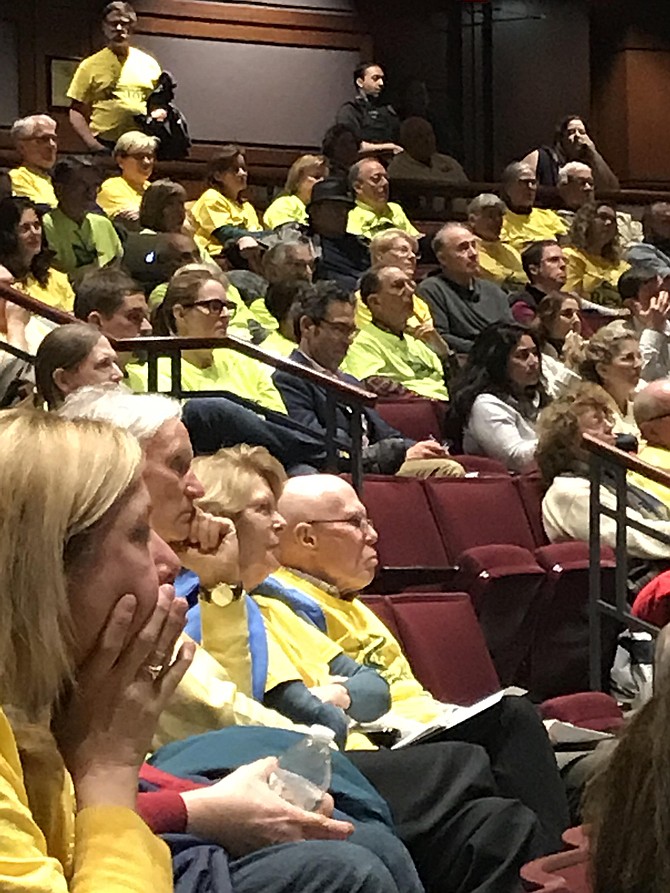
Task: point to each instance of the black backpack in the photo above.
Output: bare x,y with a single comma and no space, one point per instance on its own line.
172,133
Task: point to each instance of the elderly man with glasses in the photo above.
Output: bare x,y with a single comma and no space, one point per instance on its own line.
36,142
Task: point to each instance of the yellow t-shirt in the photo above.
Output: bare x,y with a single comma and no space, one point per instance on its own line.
263,315
540,224
421,312
364,638
56,293
278,344
229,371
406,360
32,184
659,458
363,221
213,210
593,277
115,89
500,263
284,209
117,194
104,848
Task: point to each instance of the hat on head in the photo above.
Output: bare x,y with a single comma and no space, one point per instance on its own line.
331,189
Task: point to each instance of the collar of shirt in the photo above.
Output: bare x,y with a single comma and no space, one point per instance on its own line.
386,330
465,292
320,584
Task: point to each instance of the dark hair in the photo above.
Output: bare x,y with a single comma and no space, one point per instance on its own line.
119,6
532,255
632,280
12,209
63,348
154,199
183,288
331,137
282,296
581,225
562,126
359,71
103,291
485,371
224,159
69,168
369,284
317,299
6,183
548,311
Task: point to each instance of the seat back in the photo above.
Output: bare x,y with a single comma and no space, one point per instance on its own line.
408,535
416,418
383,608
531,489
478,511
481,464
445,645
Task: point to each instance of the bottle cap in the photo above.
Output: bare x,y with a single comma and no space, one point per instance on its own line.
322,733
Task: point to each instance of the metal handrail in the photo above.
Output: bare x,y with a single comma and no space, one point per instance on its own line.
618,464
155,346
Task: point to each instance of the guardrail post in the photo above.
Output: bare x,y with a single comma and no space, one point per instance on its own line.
357,449
595,581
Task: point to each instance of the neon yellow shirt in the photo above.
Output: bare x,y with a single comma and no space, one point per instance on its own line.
518,229
56,293
364,638
115,89
405,359
593,277
421,312
263,315
213,210
117,194
284,209
103,848
229,371
94,242
33,184
363,221
500,263
659,458
278,344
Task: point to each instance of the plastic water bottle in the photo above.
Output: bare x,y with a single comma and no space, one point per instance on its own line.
304,771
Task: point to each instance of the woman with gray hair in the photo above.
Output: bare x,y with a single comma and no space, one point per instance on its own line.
120,197
36,143
499,262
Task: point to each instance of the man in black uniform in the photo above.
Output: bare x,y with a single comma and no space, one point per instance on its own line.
375,125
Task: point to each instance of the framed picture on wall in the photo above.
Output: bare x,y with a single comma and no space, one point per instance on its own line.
60,71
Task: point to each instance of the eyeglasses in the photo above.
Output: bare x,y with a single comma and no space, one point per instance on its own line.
364,525
341,328
215,306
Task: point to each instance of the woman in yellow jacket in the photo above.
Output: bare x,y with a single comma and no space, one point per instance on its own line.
291,205
85,647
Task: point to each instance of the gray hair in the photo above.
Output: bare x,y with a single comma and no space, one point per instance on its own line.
484,201
135,141
140,414
24,128
570,169
355,170
436,244
513,171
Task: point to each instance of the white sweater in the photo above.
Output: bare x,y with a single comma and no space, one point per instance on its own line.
497,430
565,514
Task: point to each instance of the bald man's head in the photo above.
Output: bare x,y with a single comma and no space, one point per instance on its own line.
327,532
652,413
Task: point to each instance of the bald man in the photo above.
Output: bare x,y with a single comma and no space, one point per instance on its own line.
652,415
328,552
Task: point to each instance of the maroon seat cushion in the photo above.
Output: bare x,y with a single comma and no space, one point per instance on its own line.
383,608
531,489
416,418
587,709
566,872
482,465
478,512
408,534
445,645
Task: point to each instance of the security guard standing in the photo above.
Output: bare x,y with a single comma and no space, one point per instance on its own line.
376,126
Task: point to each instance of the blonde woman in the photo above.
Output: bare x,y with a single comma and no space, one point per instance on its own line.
291,205
85,645
121,197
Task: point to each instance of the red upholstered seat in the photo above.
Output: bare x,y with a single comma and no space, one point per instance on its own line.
445,645
383,608
531,489
482,465
414,417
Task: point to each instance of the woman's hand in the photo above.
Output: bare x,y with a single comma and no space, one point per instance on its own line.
242,813
211,550
104,729
573,350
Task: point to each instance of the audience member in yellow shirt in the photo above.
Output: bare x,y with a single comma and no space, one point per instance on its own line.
395,248
120,197
523,222
112,86
196,305
26,264
281,301
499,262
36,142
81,240
374,212
651,407
594,257
382,348
221,214
291,205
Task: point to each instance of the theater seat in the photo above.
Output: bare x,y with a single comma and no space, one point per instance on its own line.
482,465
531,490
414,417
383,608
